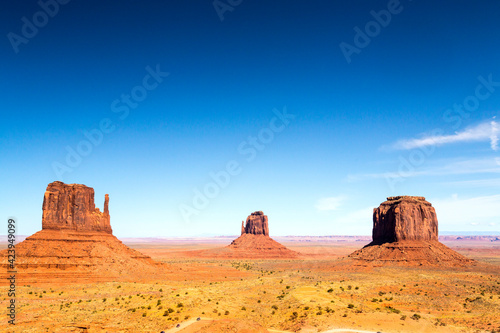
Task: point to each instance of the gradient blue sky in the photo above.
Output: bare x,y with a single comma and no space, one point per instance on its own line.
378,126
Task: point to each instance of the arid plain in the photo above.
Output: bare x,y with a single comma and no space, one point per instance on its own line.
313,293
75,276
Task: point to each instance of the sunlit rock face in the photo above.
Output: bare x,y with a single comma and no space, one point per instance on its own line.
71,207
256,224
404,218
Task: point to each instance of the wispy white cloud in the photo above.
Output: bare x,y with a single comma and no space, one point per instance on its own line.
487,131
454,212
331,203
494,135
488,182
439,168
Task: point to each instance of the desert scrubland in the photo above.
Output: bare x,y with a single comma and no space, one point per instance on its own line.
315,293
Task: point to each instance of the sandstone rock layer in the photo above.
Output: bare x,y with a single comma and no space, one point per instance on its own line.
259,246
405,231
410,253
66,256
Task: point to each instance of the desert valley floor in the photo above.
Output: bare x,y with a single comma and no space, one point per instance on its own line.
318,291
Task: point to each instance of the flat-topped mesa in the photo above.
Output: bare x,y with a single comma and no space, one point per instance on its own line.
404,218
256,224
71,207
408,198
405,232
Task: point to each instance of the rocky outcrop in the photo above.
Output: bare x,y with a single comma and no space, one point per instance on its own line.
256,224
254,243
404,218
405,232
72,207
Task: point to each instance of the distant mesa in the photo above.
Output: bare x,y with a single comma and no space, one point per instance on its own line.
255,242
76,242
405,231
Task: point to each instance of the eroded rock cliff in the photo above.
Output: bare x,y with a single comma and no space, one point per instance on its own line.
257,224
404,218
72,207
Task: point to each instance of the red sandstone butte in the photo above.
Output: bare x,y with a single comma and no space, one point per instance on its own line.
256,224
254,243
405,231
404,218
71,207
76,243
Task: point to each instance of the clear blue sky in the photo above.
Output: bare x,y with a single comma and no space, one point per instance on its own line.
370,114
